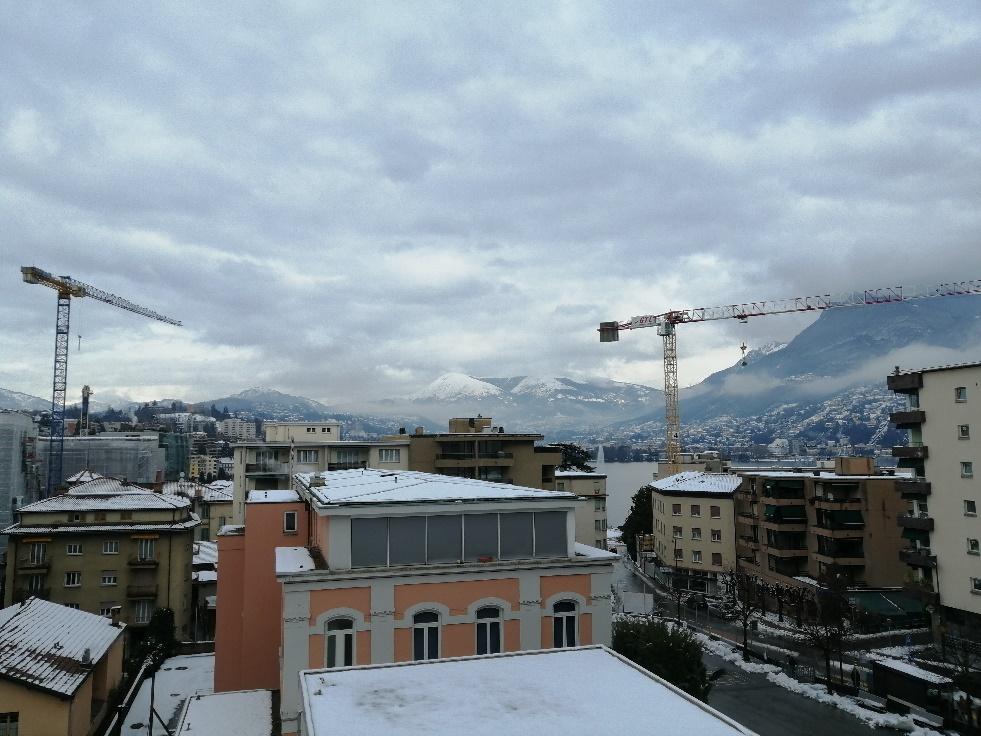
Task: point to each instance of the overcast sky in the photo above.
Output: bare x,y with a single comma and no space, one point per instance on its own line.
345,200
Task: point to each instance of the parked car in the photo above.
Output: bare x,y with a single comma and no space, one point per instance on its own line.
696,602
722,611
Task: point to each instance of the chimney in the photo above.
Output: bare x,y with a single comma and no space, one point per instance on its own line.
401,430
114,615
420,430
87,659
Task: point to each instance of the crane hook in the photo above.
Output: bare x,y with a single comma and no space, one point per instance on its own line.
743,348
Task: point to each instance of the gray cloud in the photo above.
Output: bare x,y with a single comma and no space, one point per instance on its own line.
344,201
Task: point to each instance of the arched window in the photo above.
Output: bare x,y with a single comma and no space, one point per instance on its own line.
488,630
340,642
564,624
425,635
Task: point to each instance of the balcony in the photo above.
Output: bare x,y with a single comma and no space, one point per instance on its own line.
355,465
22,594
833,503
904,382
27,565
916,451
921,522
918,557
267,468
469,460
913,486
845,557
786,552
145,563
908,418
141,591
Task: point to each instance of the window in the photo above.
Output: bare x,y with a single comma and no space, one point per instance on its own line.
76,516
550,534
717,559
9,724
369,542
307,456
676,532
479,537
970,507
125,515
425,635
599,504
564,624
311,429
715,512
444,538
389,455
73,548
108,578
696,534
145,549
973,547
599,525
289,522
110,547
39,551
73,579
967,470
964,431
976,585
560,485
676,509
679,554
35,583
100,515
142,610
74,606
696,556
716,535
340,642
696,509
488,630
407,540
325,430
960,393
105,609
205,534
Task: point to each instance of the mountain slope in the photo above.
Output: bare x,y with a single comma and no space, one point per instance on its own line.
22,402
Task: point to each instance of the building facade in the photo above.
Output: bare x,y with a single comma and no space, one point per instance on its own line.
474,448
19,465
237,430
375,567
941,525
102,545
591,512
136,456
694,529
793,526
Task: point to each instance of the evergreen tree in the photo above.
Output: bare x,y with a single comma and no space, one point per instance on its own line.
574,457
640,519
671,653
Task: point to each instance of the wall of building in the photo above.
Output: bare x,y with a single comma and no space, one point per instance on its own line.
19,473
137,457
301,431
591,519
716,556
956,566
40,714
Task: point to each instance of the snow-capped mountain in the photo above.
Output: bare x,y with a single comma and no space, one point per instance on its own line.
456,387
22,402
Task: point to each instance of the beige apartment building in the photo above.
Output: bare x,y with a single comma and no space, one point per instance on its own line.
591,512
694,529
212,502
301,431
942,529
203,465
237,429
105,544
794,525
475,448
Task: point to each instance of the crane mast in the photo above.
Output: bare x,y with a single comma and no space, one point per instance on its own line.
666,323
67,287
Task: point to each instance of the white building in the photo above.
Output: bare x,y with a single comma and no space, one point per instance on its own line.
301,431
19,469
591,513
237,429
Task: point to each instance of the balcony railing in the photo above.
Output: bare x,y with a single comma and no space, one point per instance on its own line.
26,564
473,456
913,451
921,522
907,418
904,382
142,562
913,486
350,465
267,468
22,594
141,591
918,557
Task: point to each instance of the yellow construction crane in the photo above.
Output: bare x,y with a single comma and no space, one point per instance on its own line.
667,321
67,287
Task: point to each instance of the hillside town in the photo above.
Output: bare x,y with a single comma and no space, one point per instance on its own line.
559,368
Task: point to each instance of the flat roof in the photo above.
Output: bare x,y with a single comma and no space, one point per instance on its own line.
291,560
935,368
577,474
274,496
699,483
239,712
44,644
369,485
822,475
516,692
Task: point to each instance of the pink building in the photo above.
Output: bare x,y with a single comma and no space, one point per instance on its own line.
366,567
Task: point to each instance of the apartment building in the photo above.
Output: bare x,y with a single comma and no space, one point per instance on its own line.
369,566
105,544
237,430
794,525
212,502
475,448
301,431
19,465
57,670
203,466
694,529
591,512
136,456
941,525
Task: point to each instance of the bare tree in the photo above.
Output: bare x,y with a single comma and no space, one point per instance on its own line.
745,596
830,627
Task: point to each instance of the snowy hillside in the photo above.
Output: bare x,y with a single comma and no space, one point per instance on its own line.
22,402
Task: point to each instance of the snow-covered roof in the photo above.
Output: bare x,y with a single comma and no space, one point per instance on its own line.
160,526
912,670
276,496
699,483
205,553
408,486
83,476
103,486
240,712
821,475
520,692
205,576
43,644
585,550
291,560
211,601
140,500
578,474
932,369
218,495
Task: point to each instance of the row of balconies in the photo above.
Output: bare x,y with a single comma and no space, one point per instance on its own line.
27,566
921,522
918,557
132,591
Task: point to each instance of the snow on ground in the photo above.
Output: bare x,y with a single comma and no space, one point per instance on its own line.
816,692
899,652
177,679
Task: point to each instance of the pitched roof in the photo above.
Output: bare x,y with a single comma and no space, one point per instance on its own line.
91,501
161,526
698,483
205,553
409,486
82,476
102,485
43,644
